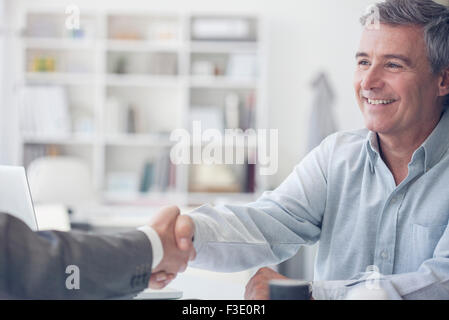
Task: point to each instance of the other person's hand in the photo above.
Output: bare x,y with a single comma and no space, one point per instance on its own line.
159,280
257,287
176,234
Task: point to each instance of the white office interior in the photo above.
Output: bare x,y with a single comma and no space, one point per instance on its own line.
91,90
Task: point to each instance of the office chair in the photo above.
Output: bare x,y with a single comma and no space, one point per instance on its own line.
57,184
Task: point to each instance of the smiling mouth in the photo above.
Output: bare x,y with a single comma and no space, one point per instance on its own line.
379,101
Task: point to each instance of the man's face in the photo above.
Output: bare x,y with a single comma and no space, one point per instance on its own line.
395,88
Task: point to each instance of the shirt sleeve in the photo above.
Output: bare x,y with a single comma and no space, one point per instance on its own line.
430,281
156,244
231,238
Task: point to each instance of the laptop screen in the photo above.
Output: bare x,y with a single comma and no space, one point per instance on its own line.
15,196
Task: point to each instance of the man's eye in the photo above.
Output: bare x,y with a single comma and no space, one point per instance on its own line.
363,63
394,65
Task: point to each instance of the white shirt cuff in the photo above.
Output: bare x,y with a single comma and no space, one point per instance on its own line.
156,244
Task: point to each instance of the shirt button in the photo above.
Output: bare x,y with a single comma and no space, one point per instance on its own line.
394,200
384,254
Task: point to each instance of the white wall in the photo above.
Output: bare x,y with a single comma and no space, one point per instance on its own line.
9,124
305,38
2,71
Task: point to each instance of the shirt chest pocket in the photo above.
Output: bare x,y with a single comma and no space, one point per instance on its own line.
425,239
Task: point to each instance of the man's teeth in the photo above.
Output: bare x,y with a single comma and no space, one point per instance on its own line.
380,101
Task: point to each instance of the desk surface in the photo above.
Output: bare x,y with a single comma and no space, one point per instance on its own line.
109,216
206,285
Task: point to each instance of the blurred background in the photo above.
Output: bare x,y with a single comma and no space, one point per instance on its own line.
91,90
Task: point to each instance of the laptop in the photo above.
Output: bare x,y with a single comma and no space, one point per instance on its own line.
15,195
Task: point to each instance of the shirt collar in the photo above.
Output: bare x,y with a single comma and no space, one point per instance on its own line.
437,142
372,147
434,146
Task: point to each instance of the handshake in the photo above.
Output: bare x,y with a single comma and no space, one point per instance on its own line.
176,234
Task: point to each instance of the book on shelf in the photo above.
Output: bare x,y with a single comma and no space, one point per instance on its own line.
44,111
158,175
147,177
250,178
60,25
247,112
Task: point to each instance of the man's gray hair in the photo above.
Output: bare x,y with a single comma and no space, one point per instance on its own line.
432,16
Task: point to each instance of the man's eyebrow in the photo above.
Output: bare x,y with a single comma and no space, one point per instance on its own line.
401,57
361,54
404,59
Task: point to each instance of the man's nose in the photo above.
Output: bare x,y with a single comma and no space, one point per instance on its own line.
372,79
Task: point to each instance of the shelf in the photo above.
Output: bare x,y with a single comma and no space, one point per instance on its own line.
143,46
59,43
135,80
151,198
222,82
138,140
170,198
63,140
60,78
210,197
157,52
240,141
223,46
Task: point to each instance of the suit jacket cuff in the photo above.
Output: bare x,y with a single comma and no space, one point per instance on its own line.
156,244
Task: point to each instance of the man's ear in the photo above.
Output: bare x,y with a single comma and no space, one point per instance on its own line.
444,83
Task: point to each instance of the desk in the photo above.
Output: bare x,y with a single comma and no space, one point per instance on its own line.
115,217
206,285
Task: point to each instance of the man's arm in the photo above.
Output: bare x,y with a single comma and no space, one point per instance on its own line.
270,230
34,264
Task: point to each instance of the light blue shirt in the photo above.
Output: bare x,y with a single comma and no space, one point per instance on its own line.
343,195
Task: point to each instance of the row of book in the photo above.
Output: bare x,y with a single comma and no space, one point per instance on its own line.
44,111
158,175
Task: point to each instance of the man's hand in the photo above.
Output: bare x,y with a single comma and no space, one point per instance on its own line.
176,233
257,287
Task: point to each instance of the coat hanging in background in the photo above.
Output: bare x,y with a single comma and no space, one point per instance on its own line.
321,124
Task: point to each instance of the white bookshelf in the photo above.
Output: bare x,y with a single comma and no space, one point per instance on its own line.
145,60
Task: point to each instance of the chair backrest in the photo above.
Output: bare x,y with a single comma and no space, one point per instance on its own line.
60,180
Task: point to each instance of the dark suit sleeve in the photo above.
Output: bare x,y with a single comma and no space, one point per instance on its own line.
39,265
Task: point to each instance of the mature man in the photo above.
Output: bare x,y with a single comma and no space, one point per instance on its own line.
33,265
374,198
